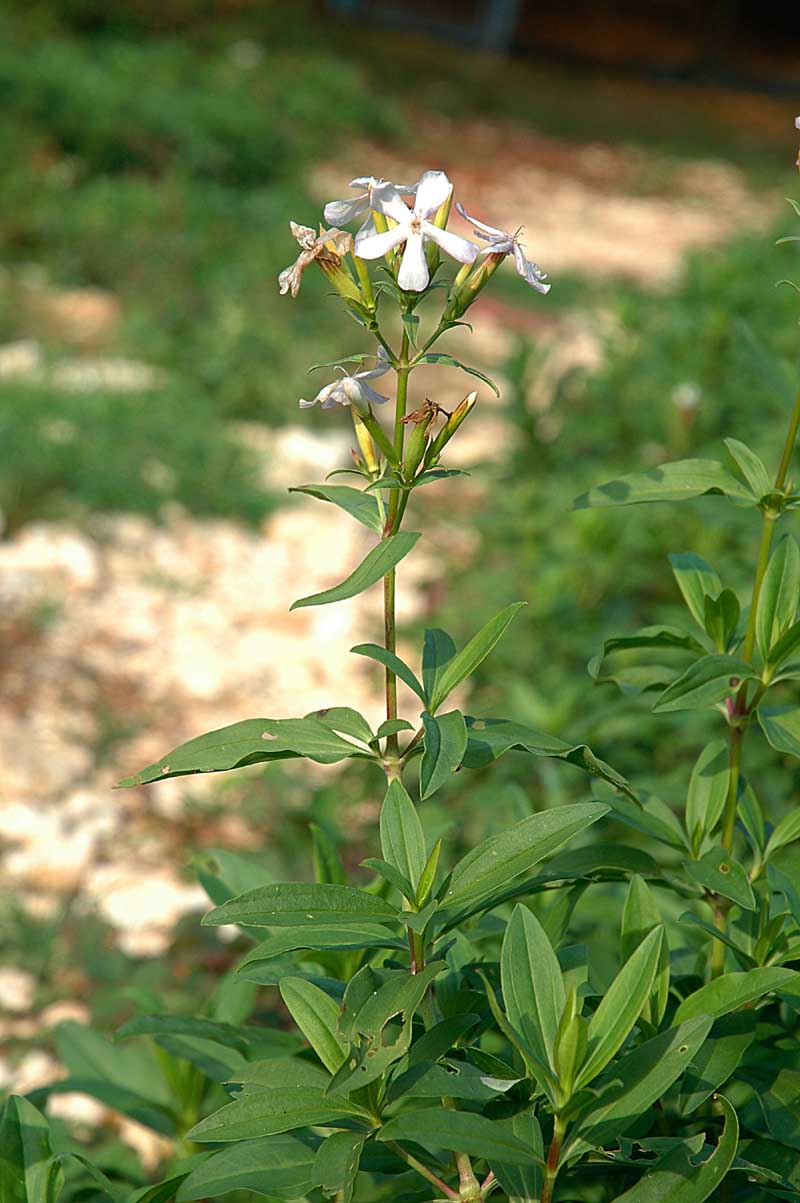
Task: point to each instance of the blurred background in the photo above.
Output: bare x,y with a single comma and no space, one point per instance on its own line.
152,155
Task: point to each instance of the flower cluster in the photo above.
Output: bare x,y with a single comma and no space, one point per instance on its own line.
405,227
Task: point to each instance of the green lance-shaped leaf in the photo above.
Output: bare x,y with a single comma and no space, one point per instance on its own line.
720,874
621,1006
450,362
375,565
636,1081
218,1049
722,618
29,1173
705,683
344,721
782,651
402,837
268,1111
786,832
463,663
751,467
734,990
636,678
445,745
336,1164
677,1179
319,937
460,1132
511,852
652,817
718,1058
393,662
252,741
680,481
277,1166
490,738
781,726
696,581
708,789
780,594
359,505
533,986
640,915
295,904
523,1184
438,649
317,1016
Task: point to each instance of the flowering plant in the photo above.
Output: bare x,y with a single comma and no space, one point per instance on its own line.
448,1041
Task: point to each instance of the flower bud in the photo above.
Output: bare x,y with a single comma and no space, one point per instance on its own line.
570,1043
459,414
468,290
341,279
365,443
415,448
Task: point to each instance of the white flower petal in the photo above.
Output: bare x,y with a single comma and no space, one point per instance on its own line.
531,272
453,244
368,393
367,228
386,199
489,232
380,369
413,275
341,212
432,191
307,404
797,123
362,181
375,245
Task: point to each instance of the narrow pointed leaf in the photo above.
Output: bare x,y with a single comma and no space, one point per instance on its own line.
317,1016
402,837
28,1171
295,904
680,481
266,1112
734,990
751,467
335,937
278,1166
621,1006
450,362
780,593
472,654
513,851
459,1131
708,789
375,565
251,741
533,986
400,669
718,872
696,581
781,726
490,738
445,744
359,505
705,683
336,1164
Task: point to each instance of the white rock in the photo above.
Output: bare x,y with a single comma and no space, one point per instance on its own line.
17,989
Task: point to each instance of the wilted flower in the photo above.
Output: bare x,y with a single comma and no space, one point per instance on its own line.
352,390
327,247
341,212
502,243
414,227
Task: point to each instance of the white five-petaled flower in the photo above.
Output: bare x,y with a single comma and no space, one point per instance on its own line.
328,247
342,212
502,243
352,390
414,227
